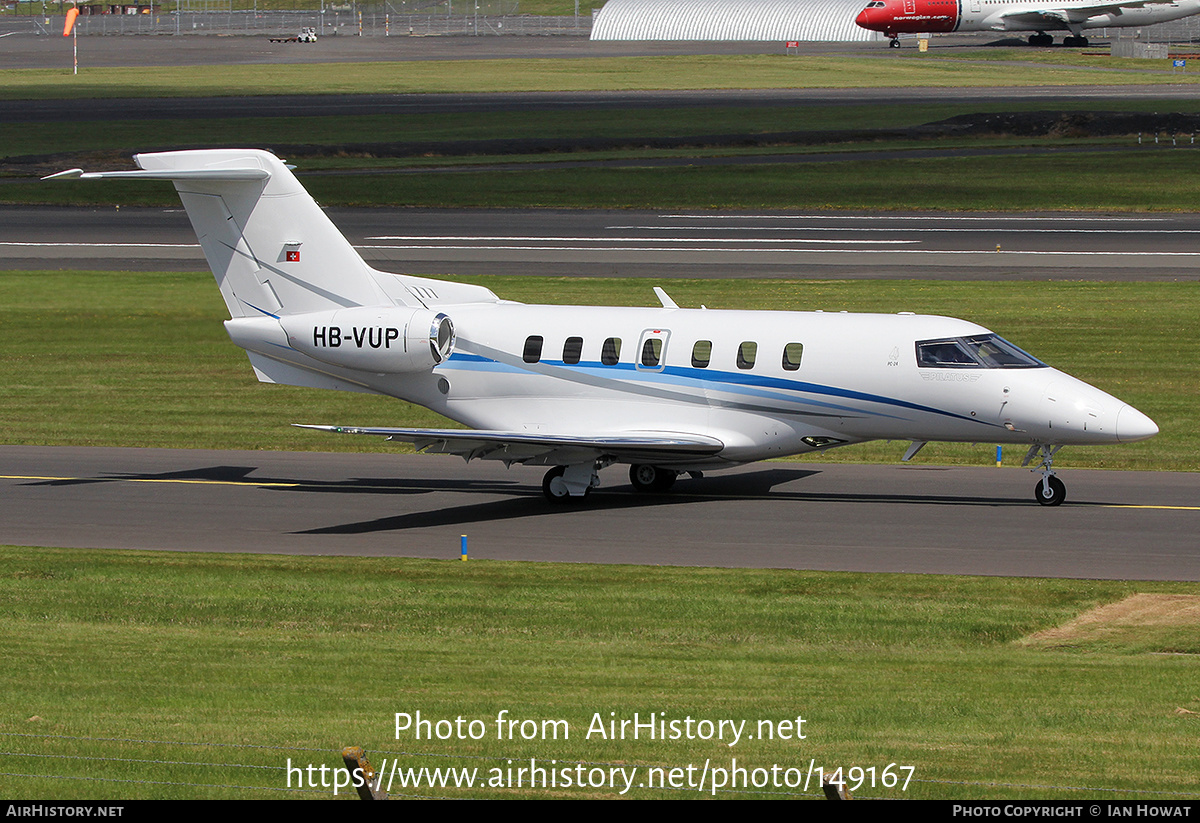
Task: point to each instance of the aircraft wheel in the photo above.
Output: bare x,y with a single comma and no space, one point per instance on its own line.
553,486
647,478
1053,496
894,44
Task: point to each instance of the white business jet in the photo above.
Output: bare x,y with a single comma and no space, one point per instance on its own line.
665,390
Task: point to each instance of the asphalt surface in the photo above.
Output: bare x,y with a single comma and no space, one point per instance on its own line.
24,48
1114,525
655,245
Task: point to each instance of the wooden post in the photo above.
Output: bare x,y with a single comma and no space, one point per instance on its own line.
355,758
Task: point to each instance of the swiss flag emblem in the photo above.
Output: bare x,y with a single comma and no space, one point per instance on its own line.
292,257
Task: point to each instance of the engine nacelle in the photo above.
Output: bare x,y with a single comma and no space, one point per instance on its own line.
383,340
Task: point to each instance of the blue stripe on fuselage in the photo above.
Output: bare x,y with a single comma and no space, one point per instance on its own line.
735,382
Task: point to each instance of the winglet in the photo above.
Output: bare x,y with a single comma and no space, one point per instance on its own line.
665,299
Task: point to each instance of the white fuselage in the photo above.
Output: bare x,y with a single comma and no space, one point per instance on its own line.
982,15
578,388
857,379
893,17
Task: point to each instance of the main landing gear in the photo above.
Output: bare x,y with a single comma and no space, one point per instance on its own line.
1074,41
564,483
647,478
1049,491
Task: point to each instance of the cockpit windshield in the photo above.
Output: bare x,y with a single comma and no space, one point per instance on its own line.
981,351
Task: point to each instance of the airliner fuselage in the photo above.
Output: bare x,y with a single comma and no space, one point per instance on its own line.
895,17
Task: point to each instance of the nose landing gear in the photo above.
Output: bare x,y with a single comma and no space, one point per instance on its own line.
1050,491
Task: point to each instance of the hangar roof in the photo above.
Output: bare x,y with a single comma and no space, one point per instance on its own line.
730,20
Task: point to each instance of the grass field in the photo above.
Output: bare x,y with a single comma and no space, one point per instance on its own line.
1059,172
1145,179
982,68
315,129
141,358
502,160
141,674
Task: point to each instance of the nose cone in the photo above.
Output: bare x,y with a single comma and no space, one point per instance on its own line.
1133,425
862,19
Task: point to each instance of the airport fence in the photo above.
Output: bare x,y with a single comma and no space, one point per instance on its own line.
450,17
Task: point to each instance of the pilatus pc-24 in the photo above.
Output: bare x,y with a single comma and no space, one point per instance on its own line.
665,390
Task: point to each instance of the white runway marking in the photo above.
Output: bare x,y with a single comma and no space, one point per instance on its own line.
21,244
905,229
751,240
677,250
933,218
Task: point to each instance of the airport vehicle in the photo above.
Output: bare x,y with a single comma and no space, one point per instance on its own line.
663,389
307,35
896,17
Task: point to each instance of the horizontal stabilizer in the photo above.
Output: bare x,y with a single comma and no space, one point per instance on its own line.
164,174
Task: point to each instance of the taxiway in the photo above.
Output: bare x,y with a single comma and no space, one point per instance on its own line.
793,245
807,515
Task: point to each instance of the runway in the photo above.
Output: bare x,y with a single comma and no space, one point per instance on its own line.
805,515
724,244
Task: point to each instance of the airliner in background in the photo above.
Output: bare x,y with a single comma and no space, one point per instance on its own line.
896,17
665,390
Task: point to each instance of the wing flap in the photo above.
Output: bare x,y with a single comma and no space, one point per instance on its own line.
1051,15
543,449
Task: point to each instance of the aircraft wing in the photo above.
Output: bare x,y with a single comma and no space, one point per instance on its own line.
545,449
1051,16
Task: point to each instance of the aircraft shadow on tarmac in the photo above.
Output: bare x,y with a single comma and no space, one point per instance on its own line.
240,475
520,499
528,502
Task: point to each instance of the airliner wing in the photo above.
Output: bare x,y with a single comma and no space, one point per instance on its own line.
545,449
1051,15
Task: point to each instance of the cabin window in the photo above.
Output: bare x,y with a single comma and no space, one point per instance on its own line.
610,354
652,352
944,354
980,351
792,353
572,349
998,353
746,354
701,354
533,349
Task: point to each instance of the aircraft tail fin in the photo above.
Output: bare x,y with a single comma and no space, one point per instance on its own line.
270,246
